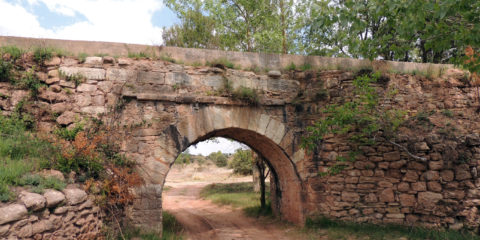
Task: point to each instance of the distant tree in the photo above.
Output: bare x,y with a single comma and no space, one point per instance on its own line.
242,162
184,158
218,158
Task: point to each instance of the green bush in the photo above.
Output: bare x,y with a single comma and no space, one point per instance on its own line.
242,162
31,82
69,134
14,51
246,94
82,57
218,158
183,158
222,63
42,54
5,71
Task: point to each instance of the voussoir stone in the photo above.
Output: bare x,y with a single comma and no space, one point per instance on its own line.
33,201
53,197
75,196
12,213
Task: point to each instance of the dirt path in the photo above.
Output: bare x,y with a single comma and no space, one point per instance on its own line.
204,220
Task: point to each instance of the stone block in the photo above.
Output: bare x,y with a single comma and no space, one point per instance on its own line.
150,77
121,75
391,156
12,212
429,199
447,175
386,195
75,196
350,197
407,200
434,186
88,73
84,87
53,197
419,186
94,61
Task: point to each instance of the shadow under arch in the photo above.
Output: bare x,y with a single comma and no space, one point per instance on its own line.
286,190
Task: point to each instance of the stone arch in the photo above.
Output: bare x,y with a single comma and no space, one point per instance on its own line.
254,127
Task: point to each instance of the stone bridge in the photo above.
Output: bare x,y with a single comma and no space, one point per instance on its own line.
162,108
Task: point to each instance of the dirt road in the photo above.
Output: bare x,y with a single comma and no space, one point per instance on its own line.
204,220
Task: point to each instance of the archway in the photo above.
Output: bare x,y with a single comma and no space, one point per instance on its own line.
286,187
264,133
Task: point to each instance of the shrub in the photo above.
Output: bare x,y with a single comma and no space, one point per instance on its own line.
246,94
5,71
14,52
291,67
218,158
42,54
221,63
31,82
82,57
69,134
183,158
242,162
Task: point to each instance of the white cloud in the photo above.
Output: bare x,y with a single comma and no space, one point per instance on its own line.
220,144
127,21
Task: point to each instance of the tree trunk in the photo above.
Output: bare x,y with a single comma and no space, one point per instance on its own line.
256,178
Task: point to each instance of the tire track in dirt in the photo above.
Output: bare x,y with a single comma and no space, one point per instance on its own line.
204,220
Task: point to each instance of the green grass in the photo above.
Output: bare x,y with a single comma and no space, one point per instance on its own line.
21,153
239,195
246,94
172,230
347,230
82,57
14,51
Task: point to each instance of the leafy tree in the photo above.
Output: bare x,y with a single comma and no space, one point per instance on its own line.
242,162
411,30
239,25
218,158
196,30
184,158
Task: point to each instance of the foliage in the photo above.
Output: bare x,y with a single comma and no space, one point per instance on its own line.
245,25
69,134
21,153
426,31
342,230
183,158
14,52
246,94
221,62
235,194
5,71
218,158
82,57
31,82
362,120
42,54
241,162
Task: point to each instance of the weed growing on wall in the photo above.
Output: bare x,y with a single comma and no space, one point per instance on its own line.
362,120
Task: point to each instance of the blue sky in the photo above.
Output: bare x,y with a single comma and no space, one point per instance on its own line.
129,21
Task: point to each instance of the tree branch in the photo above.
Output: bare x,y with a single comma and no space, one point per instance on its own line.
423,159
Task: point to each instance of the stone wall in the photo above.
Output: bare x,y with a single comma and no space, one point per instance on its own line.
52,215
165,107
244,60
